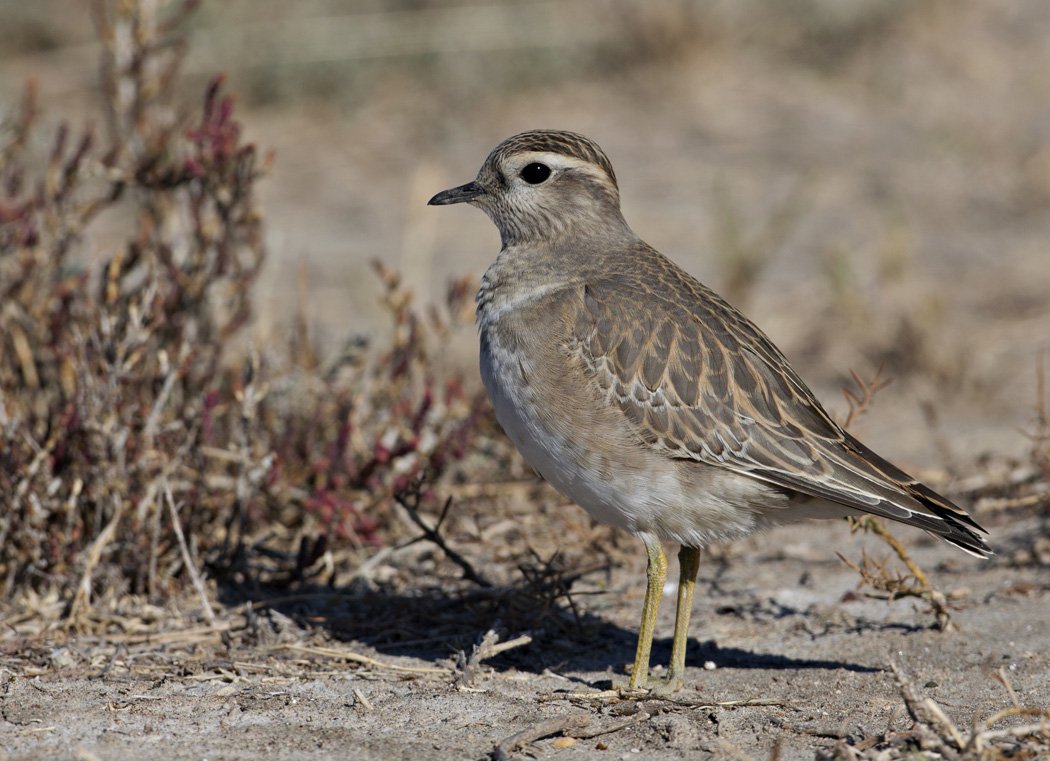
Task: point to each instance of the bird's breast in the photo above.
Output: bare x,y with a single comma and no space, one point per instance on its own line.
570,433
542,423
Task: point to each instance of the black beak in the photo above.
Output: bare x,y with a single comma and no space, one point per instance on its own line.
463,193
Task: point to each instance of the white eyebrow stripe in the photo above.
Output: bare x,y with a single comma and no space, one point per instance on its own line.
557,161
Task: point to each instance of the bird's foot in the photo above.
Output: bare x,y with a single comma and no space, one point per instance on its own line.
667,686
641,688
622,684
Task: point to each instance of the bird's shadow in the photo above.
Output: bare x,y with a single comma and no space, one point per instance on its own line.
435,623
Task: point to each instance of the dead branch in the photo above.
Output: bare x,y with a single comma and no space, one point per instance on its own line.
879,577
187,559
859,405
409,500
489,647
505,747
607,729
82,597
935,732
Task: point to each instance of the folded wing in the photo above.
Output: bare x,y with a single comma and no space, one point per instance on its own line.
698,380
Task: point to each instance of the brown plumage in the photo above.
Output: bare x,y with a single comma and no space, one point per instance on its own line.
644,396
699,381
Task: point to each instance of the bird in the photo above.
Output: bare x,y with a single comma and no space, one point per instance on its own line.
646,398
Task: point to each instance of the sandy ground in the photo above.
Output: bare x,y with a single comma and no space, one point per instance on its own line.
914,178
777,623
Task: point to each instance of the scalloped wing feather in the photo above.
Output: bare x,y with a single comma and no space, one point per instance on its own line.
698,380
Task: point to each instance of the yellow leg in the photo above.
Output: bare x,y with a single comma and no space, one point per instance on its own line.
688,565
656,575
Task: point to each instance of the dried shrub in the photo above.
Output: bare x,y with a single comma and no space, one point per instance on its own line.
346,440
886,582
137,426
934,735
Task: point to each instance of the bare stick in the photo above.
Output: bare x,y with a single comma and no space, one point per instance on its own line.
926,711
83,593
858,405
363,700
328,652
1001,677
547,728
983,737
153,421
935,597
27,478
434,535
616,726
489,647
938,733
209,614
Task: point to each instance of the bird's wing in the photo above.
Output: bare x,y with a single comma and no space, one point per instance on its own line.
697,379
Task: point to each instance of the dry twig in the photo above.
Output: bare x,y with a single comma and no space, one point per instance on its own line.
82,597
187,559
858,405
409,500
505,747
935,732
489,647
878,577
344,655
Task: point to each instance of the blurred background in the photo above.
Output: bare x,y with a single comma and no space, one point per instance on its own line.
869,180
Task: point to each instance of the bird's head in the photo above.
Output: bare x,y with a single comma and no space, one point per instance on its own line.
541,184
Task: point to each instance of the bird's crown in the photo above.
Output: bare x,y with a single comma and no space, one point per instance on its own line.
558,142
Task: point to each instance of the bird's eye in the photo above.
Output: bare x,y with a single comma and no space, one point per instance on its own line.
535,173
